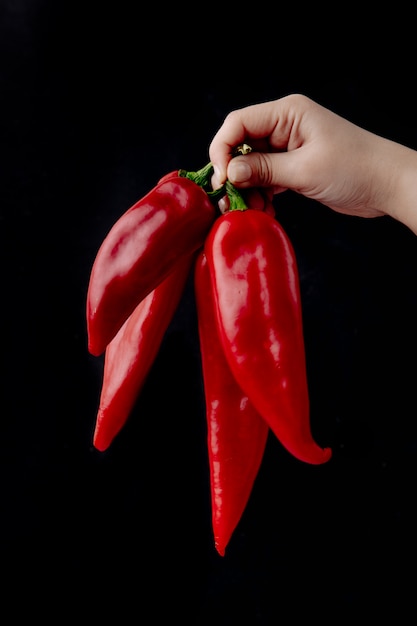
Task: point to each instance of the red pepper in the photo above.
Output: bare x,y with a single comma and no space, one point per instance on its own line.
256,288
141,249
236,433
131,353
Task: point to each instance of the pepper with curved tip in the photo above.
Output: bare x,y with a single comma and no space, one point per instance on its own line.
236,433
255,282
131,353
143,246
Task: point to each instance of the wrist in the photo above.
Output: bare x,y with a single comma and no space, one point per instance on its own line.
407,191
398,183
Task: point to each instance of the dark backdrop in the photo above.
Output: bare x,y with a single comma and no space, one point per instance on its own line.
95,105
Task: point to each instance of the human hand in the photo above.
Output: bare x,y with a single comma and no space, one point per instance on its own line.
300,145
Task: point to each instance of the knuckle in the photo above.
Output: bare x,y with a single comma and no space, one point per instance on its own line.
264,169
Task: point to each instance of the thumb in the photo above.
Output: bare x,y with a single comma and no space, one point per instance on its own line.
261,169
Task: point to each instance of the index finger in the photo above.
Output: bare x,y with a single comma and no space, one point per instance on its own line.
254,124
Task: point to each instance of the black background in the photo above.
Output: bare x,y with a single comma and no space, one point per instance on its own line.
96,104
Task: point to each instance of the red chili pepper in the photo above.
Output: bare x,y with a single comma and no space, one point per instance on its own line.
236,433
141,249
131,353
256,288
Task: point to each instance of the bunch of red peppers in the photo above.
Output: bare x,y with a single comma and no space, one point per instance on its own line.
249,322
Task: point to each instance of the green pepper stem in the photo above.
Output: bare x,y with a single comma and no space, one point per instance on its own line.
201,177
216,194
236,201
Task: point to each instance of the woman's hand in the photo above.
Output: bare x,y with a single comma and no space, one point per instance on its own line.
300,145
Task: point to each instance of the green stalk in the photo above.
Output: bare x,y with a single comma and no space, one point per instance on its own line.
236,200
201,177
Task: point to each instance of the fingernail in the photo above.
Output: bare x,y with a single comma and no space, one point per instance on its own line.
223,205
239,171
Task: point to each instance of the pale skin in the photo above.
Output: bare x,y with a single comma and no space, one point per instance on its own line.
300,145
